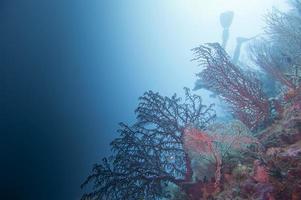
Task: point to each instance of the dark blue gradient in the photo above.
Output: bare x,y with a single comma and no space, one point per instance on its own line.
56,102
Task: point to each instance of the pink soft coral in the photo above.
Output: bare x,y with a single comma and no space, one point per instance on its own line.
260,172
201,143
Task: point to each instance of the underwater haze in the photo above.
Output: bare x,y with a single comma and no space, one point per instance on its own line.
70,71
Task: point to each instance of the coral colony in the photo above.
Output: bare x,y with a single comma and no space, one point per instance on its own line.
178,149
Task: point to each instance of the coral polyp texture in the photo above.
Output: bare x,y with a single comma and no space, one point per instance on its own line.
179,149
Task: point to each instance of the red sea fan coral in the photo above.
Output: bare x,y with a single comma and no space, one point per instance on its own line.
241,91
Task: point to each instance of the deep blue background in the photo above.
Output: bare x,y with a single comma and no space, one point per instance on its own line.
54,99
69,71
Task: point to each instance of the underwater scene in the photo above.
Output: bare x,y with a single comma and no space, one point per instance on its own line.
150,100
244,144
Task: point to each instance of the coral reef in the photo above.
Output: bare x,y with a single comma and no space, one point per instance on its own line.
272,171
176,150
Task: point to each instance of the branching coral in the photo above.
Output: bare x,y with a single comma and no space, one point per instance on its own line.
278,51
150,154
268,57
241,91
